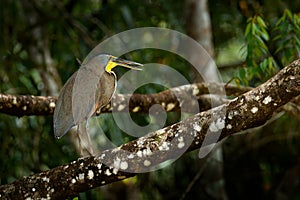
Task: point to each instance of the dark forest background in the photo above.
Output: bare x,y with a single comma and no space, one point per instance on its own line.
41,41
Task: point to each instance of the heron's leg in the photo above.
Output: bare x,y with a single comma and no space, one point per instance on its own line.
79,141
84,138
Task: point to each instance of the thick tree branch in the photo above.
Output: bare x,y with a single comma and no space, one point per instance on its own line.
249,110
22,105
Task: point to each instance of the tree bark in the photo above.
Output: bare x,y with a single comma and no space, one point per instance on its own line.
249,110
198,23
25,105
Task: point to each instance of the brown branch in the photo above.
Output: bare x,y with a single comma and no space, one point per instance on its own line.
24,105
21,105
249,110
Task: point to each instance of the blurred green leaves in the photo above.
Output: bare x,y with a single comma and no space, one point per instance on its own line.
287,37
269,47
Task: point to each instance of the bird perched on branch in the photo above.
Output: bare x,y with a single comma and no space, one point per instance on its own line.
87,90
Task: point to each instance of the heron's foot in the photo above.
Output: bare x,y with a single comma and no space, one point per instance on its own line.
90,151
86,151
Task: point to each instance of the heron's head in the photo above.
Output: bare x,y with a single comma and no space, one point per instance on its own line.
113,62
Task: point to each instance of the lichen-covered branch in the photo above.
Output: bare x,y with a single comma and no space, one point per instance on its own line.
22,105
249,110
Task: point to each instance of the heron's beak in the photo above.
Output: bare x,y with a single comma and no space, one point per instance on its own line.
127,64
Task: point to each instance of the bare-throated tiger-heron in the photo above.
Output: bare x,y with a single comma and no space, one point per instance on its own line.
87,90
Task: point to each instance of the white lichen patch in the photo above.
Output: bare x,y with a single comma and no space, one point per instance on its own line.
117,162
107,172
81,176
99,166
123,165
136,109
170,106
98,111
115,150
90,174
180,142
80,159
139,154
229,126
267,100
52,105
121,107
160,131
256,98
213,127
14,101
235,113
164,146
147,152
46,179
102,156
220,123
140,142
122,98
195,91
180,139
254,110
180,145
130,156
230,115
73,180
197,127
115,171
147,163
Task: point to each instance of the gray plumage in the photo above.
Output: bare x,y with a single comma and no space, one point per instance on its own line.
87,90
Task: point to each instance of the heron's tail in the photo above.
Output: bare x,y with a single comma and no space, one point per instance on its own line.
84,139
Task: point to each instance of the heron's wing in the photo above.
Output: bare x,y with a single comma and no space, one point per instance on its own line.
83,94
62,117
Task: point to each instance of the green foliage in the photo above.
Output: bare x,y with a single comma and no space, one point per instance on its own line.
269,47
287,37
